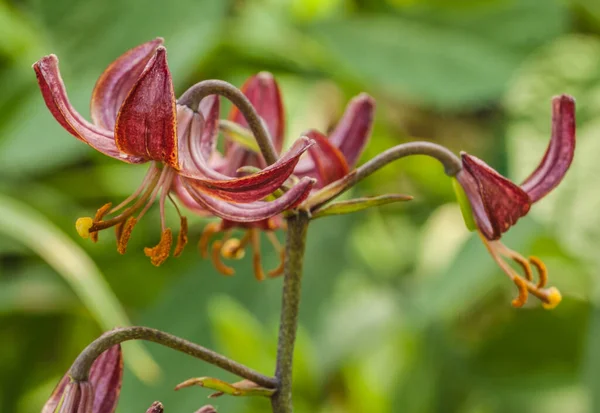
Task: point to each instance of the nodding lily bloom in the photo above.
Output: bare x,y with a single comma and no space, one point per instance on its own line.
496,203
329,159
136,120
99,394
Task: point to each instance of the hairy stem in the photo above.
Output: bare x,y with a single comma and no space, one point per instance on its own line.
81,367
451,163
192,97
281,401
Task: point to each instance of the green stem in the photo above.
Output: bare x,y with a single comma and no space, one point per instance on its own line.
281,401
81,367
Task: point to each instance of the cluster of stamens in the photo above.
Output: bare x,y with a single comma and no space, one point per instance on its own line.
550,297
156,184
235,249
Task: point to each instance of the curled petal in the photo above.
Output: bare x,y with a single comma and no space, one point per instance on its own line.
106,377
329,162
263,92
252,187
114,84
146,124
496,202
56,99
352,132
559,154
253,211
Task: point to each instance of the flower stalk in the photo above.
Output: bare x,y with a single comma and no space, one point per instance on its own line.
81,367
281,401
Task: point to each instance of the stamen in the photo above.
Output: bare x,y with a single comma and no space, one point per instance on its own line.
281,251
259,274
125,234
524,265
149,175
100,213
182,237
209,230
522,298
165,174
553,298
216,259
542,271
161,251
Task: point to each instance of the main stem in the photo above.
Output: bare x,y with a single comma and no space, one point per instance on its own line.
281,401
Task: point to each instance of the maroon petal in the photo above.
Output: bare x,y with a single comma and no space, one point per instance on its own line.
263,92
197,135
497,203
329,162
117,80
106,376
56,99
146,124
352,132
252,187
254,211
56,395
559,154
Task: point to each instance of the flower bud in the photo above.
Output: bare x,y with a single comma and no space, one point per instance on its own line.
156,407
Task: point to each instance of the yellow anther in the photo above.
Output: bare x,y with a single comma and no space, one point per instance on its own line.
233,249
554,298
216,259
182,238
524,264
83,226
162,250
523,294
209,230
542,271
124,233
100,213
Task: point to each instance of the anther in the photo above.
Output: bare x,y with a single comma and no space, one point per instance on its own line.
523,294
259,274
83,226
233,249
125,234
100,213
162,250
182,237
216,259
523,263
276,272
209,230
542,271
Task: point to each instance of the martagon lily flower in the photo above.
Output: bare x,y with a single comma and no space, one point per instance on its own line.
496,203
329,159
99,394
136,120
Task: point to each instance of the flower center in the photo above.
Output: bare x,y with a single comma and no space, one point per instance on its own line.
156,184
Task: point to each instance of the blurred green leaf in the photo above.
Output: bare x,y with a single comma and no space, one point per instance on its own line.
28,226
441,58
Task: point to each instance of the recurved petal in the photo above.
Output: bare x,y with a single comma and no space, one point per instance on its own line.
329,164
248,188
558,156
106,376
114,84
56,99
352,132
263,92
146,123
497,203
253,211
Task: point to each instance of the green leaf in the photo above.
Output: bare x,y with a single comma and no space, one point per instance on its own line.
358,204
437,57
29,227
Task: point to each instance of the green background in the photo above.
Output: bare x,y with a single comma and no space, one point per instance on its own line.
403,310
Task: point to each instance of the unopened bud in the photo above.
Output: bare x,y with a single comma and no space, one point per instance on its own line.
156,407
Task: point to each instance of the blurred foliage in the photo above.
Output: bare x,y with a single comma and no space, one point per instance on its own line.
403,310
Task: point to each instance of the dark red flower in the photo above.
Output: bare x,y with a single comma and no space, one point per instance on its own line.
136,120
497,203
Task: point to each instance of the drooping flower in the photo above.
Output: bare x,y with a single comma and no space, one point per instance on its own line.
99,394
496,203
329,159
136,120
